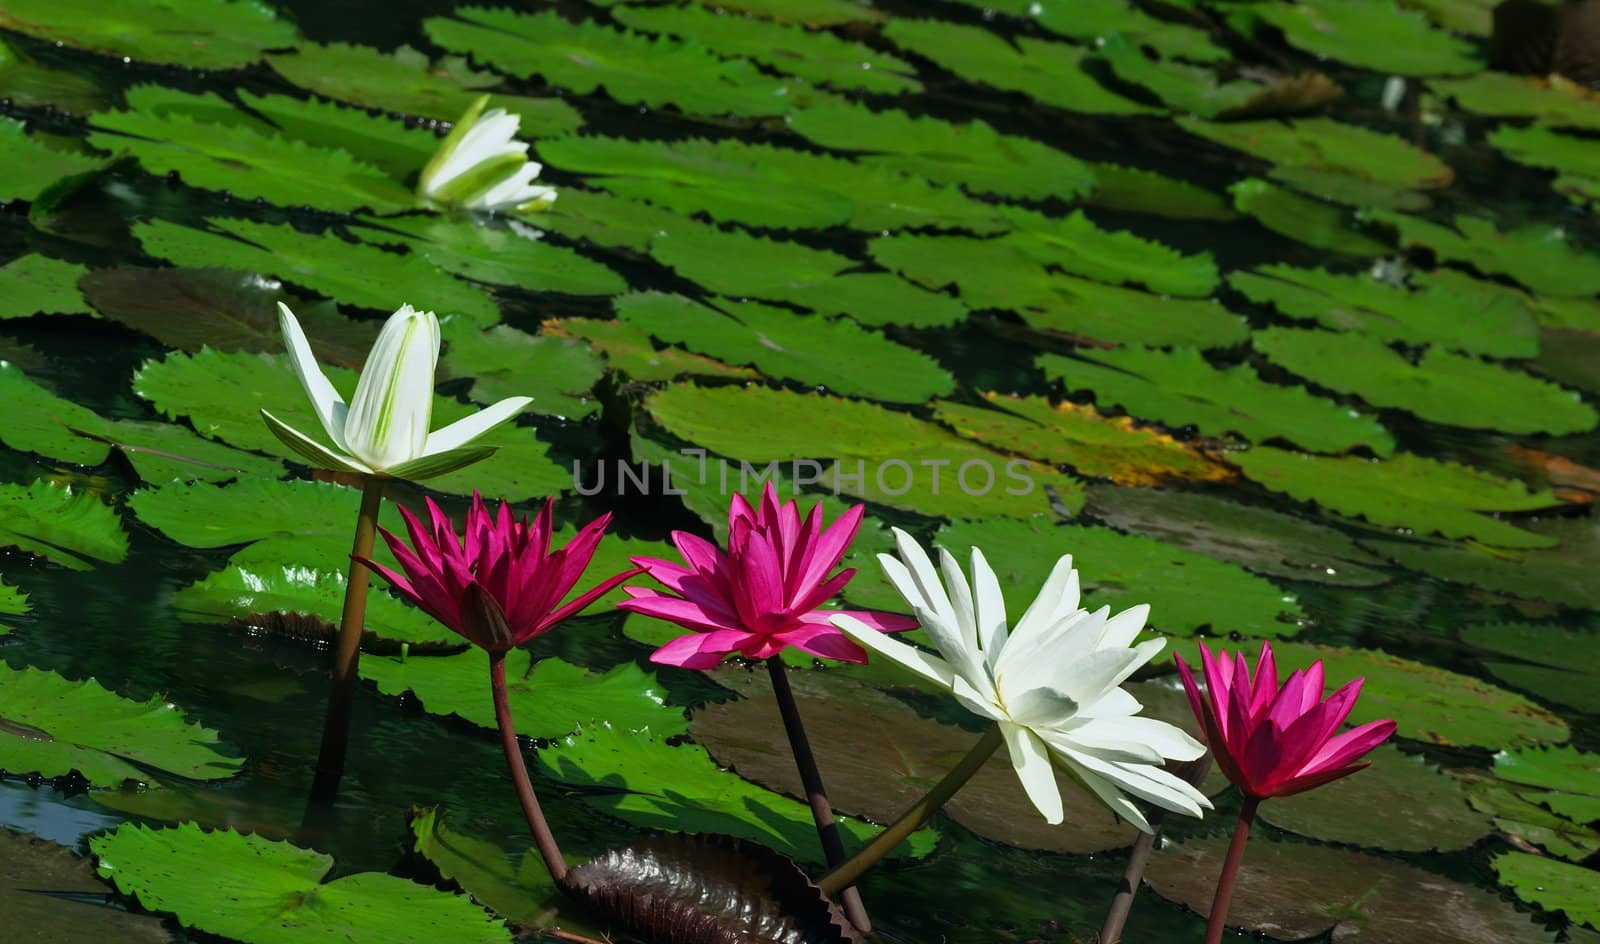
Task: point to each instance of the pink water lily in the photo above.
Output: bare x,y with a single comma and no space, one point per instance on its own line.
1278,740
763,594
499,584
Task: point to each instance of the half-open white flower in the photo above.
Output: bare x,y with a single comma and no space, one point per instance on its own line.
1052,682
384,430
482,166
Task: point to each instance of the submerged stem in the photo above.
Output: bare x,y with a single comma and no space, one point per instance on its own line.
546,840
816,795
347,651
914,817
1230,871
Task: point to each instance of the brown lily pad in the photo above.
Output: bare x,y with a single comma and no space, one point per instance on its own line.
48,895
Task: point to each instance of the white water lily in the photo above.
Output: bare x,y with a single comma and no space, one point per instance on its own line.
384,430
1051,682
482,166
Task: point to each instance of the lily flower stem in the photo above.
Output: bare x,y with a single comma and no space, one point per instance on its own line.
347,656
1230,871
816,795
914,817
1139,858
542,836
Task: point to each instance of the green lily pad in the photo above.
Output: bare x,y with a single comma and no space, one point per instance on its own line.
1572,158
40,285
1077,436
405,81
553,700
819,57
74,529
521,469
1135,190
50,895
52,726
837,354
1400,803
31,85
804,12
1094,19
985,162
390,144
1516,96
509,256
197,34
1407,491
1328,145
352,273
1076,245
1380,36
166,452
558,373
649,783
1441,387
1049,72
599,218
1259,539
1554,886
1558,664
1192,89
1532,823
1537,256
627,348
1427,703
1179,388
1555,574
1298,891
585,57
1187,592
265,892
27,167
13,602
206,515
245,162
43,423
1336,187
523,894
1313,222
1443,307
1000,274
1568,772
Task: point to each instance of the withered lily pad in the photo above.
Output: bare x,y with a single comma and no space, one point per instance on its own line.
50,895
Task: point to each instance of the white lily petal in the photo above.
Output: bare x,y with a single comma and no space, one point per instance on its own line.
1086,739
991,608
960,600
1085,680
440,463
1031,760
468,428
514,191
1117,703
1122,629
491,136
1038,660
1040,707
1166,741
924,576
393,404
980,702
312,451
900,578
1108,794
1057,597
1148,783
329,405
928,666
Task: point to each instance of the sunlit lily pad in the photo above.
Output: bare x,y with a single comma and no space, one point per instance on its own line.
1094,19
1078,436
164,452
352,273
1136,190
585,57
1516,96
523,894
1077,245
650,783
1260,539
1558,664
41,422
73,528
1401,803
40,285
1554,886
1441,386
837,355
1313,222
388,143
1380,36
558,373
1329,145
198,34
1538,256
629,349
1531,823
1574,159
1179,388
1407,491
50,895
205,515
1572,776
27,167
1298,891
1443,307
265,892
511,256
13,602
1187,592
815,56
52,726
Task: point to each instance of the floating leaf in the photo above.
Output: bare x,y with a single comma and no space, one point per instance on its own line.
1336,187
511,256
1565,770
197,34
1532,823
352,273
1192,89
1559,665
1513,96
1046,71
837,355
1077,245
40,285
654,785
1379,36
205,515
1069,434
559,374
985,161
1178,388
1554,886
1400,803
52,726
29,168
1572,158
1297,891
265,892
13,602
1317,224
523,894
1558,574
1442,387
805,12
163,452
1443,307
586,56
628,348
41,422
553,700
1328,145
30,85
1187,592
1405,491
1265,541
74,529
1094,19
1539,257
819,56
1134,190
388,143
